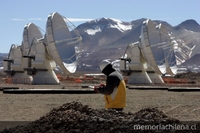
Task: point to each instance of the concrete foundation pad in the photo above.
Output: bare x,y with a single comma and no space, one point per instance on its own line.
49,91
148,87
184,89
4,88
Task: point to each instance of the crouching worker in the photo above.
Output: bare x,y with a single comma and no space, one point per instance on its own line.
115,89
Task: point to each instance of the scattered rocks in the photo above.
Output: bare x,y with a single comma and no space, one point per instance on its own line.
77,118
188,75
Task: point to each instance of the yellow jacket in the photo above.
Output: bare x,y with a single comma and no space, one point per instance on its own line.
117,99
115,89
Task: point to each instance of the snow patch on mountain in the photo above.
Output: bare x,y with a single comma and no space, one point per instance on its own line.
121,27
93,31
112,23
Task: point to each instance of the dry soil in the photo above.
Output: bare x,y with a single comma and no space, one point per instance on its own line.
184,106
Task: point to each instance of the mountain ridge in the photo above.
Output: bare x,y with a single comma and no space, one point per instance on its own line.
184,38
189,24
107,38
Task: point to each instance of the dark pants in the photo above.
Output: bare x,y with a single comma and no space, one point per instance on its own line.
117,109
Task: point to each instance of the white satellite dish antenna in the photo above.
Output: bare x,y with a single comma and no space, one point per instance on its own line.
30,33
10,59
39,65
57,47
168,48
145,58
154,55
151,47
60,43
14,64
134,65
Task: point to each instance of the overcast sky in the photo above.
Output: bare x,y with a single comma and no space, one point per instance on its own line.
15,14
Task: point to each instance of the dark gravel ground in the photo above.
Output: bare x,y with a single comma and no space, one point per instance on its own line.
75,117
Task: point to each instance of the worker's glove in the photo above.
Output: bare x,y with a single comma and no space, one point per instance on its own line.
102,85
96,89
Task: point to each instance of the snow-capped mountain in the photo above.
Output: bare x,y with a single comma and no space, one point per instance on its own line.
100,32
107,38
190,25
100,24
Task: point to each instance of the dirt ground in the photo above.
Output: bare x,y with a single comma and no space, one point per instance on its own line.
184,106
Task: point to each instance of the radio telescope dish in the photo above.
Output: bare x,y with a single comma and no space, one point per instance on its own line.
40,56
14,54
60,44
39,63
30,33
146,60
56,48
171,67
134,65
150,44
14,64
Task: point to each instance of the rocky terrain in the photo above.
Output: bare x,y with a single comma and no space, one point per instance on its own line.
75,117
